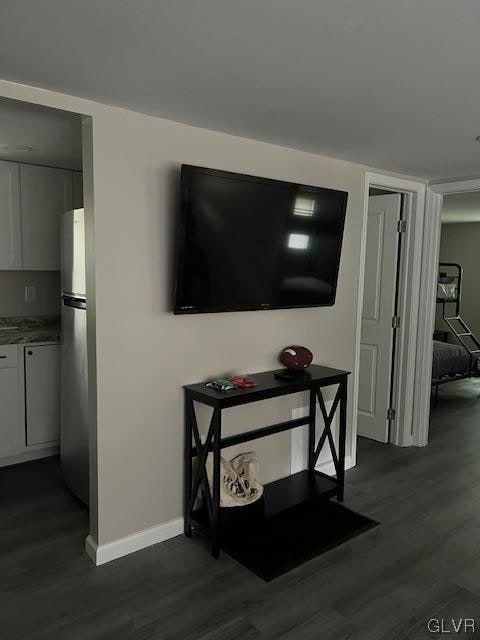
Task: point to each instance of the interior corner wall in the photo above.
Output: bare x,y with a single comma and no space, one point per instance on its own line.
460,243
89,212
144,354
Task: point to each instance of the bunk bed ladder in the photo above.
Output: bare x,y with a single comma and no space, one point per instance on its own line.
462,331
464,335
451,294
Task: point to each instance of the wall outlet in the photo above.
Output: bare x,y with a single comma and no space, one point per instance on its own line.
30,293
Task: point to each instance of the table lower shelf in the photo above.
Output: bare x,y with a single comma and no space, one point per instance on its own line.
296,489
279,496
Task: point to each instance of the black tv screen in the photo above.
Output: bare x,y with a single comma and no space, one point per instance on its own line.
246,243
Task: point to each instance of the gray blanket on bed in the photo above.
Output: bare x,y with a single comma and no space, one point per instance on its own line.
449,359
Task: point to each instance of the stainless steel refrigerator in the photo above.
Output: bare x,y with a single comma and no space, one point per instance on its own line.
74,431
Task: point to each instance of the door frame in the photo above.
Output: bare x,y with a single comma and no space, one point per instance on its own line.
78,106
403,427
431,252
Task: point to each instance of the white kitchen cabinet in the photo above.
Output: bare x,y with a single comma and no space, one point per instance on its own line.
46,193
42,393
9,402
29,402
77,189
9,412
10,217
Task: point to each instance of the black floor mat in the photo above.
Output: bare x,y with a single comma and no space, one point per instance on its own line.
292,537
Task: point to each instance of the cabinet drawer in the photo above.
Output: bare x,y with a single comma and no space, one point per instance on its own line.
8,356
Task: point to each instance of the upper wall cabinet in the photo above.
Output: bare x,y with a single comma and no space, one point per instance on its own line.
46,193
10,220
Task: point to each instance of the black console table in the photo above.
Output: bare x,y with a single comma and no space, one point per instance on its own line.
282,494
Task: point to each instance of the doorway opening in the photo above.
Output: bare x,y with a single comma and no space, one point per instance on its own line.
45,434
388,309
386,224
452,383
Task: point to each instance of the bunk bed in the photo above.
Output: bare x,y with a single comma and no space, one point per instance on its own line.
453,361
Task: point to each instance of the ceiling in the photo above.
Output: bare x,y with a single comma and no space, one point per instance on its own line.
461,207
388,83
54,137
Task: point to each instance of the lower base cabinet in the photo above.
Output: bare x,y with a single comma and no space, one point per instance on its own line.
42,394
29,401
9,412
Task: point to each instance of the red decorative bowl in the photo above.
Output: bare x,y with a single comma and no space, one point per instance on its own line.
296,357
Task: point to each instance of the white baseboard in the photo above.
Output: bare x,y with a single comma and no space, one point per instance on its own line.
101,554
28,456
91,548
329,468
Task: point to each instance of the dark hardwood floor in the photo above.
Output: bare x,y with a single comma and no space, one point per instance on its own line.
422,562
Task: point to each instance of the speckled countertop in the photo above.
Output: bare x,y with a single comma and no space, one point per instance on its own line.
23,330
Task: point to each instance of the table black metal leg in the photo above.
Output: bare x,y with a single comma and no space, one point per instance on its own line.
311,430
187,489
217,429
341,440
197,480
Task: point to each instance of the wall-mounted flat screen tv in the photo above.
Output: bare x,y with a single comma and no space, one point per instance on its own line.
246,243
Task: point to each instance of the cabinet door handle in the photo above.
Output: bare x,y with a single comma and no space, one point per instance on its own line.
2,357
30,353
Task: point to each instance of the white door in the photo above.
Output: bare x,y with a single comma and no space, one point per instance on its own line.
46,194
10,217
378,310
42,393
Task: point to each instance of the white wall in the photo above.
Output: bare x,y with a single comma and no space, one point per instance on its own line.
144,354
12,293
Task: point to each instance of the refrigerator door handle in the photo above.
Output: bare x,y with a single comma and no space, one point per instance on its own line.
75,303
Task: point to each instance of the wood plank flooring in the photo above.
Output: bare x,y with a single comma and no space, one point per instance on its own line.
422,562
